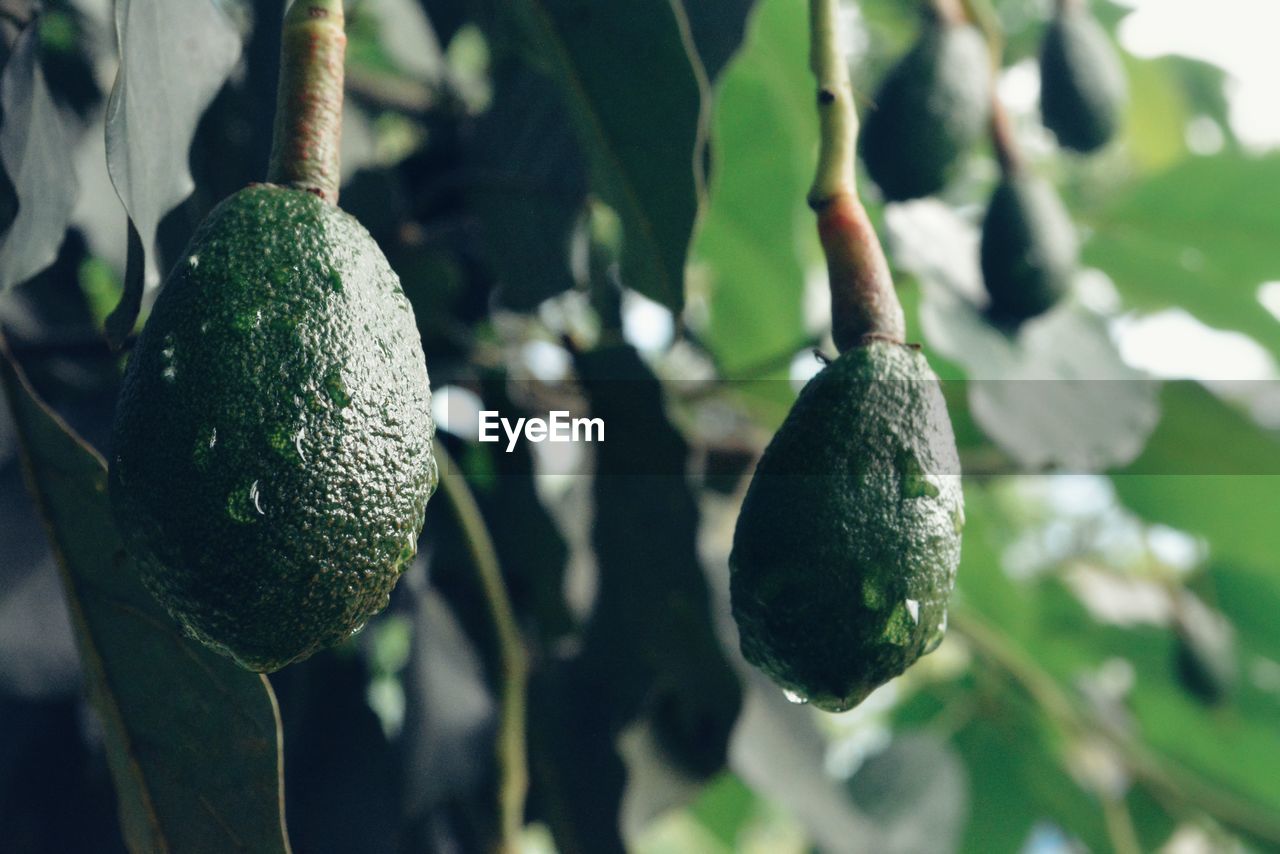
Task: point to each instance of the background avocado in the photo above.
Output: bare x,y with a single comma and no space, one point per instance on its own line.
848,540
1083,91
1029,249
271,451
930,110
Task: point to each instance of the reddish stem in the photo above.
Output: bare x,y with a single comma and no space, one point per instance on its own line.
864,305
308,130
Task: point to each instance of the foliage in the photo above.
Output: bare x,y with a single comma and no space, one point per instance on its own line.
515,161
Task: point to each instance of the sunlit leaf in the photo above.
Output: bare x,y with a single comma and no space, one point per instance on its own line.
749,252
37,180
1199,236
174,57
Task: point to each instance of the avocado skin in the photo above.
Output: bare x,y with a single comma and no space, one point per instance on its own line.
1029,249
1083,91
929,111
271,452
855,508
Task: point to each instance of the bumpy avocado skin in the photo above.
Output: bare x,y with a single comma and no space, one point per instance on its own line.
847,544
1029,249
929,111
1083,91
271,457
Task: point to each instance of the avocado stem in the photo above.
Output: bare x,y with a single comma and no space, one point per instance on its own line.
864,304
1003,140
308,128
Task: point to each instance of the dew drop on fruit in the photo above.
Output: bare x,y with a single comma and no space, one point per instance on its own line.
168,359
913,610
793,697
935,639
193,261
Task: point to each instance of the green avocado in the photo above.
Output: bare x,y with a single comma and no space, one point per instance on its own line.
1029,249
1083,91
929,111
271,452
847,544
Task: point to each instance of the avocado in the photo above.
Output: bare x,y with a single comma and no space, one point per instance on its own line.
272,447
1029,249
1083,91
929,111
846,548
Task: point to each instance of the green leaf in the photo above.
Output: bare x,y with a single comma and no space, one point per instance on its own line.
640,150
1199,236
1209,470
749,251
192,740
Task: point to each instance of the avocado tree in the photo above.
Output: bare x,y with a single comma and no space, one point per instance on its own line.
656,426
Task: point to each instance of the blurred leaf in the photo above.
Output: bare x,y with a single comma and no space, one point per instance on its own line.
1155,121
174,57
1199,236
450,715
532,551
749,246
576,773
37,179
650,638
192,739
529,185
1054,395
1209,470
340,773
916,792
641,150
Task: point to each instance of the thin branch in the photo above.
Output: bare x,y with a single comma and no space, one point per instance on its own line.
864,304
514,667
1157,772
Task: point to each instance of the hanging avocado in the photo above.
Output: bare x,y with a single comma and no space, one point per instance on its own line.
1029,249
929,112
1083,91
272,446
847,545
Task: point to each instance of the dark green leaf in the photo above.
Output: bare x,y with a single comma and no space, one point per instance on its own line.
528,186
193,740
641,150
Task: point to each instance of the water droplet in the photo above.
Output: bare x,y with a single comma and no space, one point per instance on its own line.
793,697
255,495
913,609
957,518
358,629
168,358
193,261
336,388
935,639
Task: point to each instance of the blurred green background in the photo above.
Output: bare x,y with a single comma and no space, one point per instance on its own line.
1111,678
